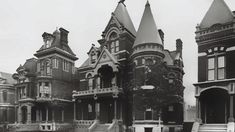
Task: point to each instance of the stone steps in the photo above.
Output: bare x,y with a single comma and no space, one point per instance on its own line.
101,128
213,128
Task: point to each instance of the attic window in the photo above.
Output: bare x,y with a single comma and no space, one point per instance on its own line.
93,57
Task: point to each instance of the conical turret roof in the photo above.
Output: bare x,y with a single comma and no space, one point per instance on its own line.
147,32
219,12
123,17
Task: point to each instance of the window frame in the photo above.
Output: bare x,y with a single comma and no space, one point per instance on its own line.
217,67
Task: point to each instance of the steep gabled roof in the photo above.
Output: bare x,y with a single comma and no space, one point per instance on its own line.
123,17
171,56
218,12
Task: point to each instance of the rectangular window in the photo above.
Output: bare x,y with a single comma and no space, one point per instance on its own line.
211,68
22,92
65,65
89,108
38,67
4,96
171,108
112,48
73,70
148,114
221,67
4,115
117,46
90,83
44,90
55,63
143,61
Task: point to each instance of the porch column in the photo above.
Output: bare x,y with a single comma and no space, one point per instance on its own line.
120,111
46,114
198,112
38,90
62,115
53,115
37,115
115,97
115,108
114,80
97,109
40,115
98,82
74,110
29,108
231,114
19,115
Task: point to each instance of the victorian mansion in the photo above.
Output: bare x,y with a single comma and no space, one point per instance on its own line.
54,95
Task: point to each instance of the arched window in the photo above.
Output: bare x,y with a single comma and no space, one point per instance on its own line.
114,45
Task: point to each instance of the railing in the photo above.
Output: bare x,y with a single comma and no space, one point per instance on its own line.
83,122
54,126
44,75
83,125
147,122
49,126
24,127
97,91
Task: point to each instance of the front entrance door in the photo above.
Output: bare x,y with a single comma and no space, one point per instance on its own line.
214,106
106,111
215,112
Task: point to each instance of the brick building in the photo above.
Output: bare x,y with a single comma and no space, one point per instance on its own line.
44,86
7,100
105,99
214,94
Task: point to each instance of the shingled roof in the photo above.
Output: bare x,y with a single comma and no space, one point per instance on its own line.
218,12
147,32
7,77
123,17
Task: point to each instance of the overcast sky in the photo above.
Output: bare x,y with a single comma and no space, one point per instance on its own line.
24,21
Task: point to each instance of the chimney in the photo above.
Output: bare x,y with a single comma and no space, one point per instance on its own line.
161,33
64,36
179,46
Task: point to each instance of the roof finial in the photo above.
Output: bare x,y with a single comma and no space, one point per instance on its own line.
121,1
147,3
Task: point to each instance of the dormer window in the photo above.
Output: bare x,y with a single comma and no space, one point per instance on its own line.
93,57
48,44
